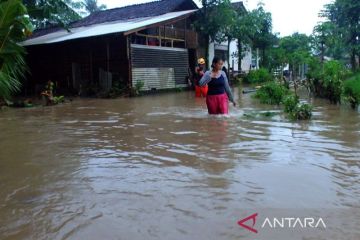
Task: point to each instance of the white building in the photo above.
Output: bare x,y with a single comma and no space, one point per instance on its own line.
231,57
221,50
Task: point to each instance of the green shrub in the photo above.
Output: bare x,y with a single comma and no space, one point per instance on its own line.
271,93
303,111
261,75
352,91
295,109
327,80
315,70
334,75
135,91
290,103
59,99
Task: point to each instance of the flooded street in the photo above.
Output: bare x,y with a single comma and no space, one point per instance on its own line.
158,167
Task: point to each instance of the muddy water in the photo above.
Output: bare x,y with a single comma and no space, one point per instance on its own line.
158,167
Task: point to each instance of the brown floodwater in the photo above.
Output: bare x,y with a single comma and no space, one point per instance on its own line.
158,167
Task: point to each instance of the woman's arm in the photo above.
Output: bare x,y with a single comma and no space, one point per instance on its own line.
206,78
227,87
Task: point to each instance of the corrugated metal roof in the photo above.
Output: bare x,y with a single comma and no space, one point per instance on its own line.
103,29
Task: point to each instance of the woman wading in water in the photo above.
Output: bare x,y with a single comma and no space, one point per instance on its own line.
219,93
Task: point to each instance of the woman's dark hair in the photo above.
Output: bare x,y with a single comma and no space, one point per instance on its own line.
215,61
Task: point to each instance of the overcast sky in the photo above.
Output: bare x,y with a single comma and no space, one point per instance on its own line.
289,16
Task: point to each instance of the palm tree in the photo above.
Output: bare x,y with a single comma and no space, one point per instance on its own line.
92,6
14,27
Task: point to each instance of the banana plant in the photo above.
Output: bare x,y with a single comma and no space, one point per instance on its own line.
15,26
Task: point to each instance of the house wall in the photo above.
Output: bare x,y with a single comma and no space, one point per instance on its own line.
77,65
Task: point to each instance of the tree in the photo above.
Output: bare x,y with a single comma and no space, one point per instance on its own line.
14,27
92,6
277,57
262,38
214,19
296,50
326,41
44,13
227,31
243,31
344,14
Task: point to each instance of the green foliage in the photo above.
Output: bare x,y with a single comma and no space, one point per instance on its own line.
135,91
44,13
315,69
352,91
334,74
271,93
296,50
327,80
215,18
215,21
58,99
14,27
261,75
326,41
314,76
92,6
345,18
290,103
303,111
295,109
243,31
262,37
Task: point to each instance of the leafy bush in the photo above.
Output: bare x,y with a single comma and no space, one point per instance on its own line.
138,86
295,109
334,75
303,111
135,91
327,81
59,99
315,75
261,75
271,93
290,103
352,91
315,70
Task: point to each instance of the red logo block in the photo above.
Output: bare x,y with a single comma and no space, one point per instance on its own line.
250,228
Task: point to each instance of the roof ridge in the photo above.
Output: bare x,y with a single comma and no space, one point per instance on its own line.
148,9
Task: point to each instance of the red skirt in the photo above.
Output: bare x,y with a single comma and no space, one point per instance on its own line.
217,104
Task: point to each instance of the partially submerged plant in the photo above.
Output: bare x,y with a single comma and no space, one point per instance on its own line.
271,93
352,91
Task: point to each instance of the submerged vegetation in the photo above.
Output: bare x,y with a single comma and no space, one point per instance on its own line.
297,110
275,93
261,75
352,91
271,93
